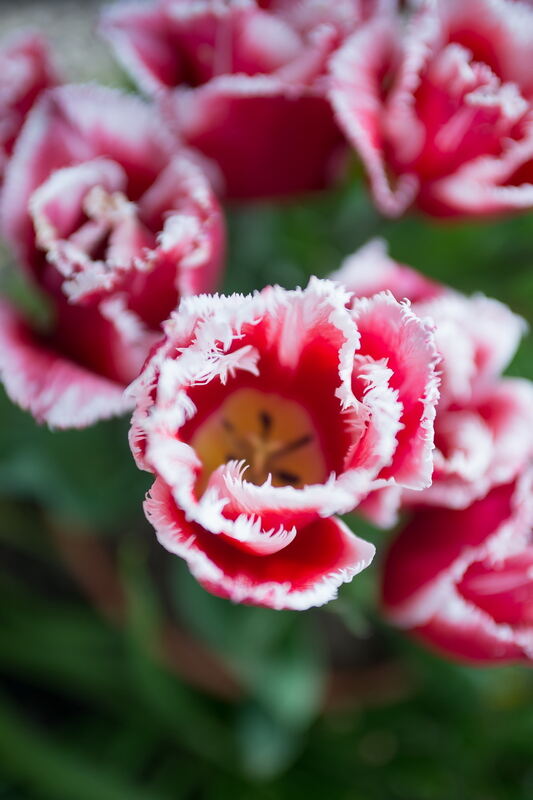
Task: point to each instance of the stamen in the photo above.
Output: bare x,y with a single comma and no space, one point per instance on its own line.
270,435
266,423
287,477
292,446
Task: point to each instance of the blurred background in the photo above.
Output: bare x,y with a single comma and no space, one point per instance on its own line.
120,679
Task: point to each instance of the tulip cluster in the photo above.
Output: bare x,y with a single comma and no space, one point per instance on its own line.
264,417
459,573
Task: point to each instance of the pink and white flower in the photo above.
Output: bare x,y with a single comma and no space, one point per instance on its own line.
462,581
113,222
444,105
482,432
264,416
26,70
243,82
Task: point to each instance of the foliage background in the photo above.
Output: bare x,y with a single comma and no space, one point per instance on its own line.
89,711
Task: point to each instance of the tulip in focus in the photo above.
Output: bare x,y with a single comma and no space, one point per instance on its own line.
262,417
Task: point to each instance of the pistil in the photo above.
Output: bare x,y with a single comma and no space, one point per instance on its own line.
273,435
260,453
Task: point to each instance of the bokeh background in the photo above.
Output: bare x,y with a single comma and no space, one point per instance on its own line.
120,679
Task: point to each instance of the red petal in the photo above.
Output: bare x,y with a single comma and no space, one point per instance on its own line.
434,539
140,38
267,140
472,639
54,389
504,589
308,572
356,94
481,445
461,580
26,71
391,332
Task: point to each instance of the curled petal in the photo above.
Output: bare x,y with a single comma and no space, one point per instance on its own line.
26,70
480,447
56,208
476,337
507,28
356,71
306,573
58,203
193,234
490,185
139,37
391,332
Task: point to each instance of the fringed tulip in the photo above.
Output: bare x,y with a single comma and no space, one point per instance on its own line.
113,223
440,109
264,416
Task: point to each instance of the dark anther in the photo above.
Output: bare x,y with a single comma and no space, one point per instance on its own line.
292,446
287,477
227,425
266,422
232,457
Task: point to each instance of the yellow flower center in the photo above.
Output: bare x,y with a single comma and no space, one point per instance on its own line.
273,435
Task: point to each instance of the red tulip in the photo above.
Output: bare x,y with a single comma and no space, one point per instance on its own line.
441,110
264,416
114,222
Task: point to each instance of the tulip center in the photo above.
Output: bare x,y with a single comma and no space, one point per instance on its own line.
274,436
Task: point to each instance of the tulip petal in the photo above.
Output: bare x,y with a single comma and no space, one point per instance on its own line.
306,573
480,447
390,331
55,390
370,270
26,70
457,579
356,71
